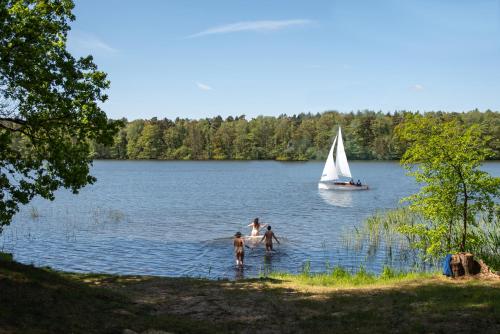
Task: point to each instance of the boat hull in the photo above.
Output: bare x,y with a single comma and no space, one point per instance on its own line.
345,186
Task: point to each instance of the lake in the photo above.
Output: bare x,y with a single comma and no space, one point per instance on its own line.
177,218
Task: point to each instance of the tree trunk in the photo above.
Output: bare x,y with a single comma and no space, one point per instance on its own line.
467,260
456,266
464,235
449,235
464,264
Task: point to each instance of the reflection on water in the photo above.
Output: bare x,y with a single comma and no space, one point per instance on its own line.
342,198
178,219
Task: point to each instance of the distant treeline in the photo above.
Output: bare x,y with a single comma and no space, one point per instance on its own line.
368,135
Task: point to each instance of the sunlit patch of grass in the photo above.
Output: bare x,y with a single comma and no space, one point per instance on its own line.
340,277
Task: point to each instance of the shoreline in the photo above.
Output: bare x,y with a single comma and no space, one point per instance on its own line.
254,160
43,301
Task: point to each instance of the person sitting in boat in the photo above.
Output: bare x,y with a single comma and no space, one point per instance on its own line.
256,227
358,183
351,182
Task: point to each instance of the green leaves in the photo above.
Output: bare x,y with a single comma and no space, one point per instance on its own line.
368,135
445,157
48,105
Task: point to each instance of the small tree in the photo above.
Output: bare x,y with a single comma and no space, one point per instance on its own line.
445,158
49,105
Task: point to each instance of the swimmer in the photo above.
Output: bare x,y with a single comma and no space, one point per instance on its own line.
268,236
256,227
239,248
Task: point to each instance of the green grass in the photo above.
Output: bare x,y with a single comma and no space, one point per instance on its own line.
339,277
6,257
40,300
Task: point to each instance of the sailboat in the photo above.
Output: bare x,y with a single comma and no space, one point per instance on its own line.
334,172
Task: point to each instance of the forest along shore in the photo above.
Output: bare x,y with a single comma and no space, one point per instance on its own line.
44,301
369,135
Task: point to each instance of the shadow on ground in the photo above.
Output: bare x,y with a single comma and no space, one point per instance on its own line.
43,301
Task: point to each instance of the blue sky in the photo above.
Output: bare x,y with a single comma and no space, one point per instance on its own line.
200,59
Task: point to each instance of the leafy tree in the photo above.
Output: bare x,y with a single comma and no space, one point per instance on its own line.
261,132
325,126
282,138
445,156
223,141
173,137
151,141
50,99
194,141
242,142
134,131
119,149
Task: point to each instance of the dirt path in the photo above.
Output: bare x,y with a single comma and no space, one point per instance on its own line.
272,306
38,300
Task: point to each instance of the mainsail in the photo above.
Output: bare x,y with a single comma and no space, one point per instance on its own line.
329,171
337,169
342,165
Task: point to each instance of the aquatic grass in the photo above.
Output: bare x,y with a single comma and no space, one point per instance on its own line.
325,255
383,232
340,277
116,215
102,215
487,240
306,269
34,214
398,234
8,257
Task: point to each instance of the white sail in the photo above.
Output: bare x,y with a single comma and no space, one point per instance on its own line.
329,171
342,167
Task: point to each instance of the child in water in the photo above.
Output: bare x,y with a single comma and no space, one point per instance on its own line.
268,236
256,227
239,248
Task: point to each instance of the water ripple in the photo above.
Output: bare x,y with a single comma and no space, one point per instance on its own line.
178,218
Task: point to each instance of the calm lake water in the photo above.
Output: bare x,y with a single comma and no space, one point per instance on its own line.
178,218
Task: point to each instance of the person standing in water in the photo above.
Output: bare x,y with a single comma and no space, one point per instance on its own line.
256,227
239,248
268,236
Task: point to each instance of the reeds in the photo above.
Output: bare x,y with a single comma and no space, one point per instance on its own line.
381,233
393,232
486,234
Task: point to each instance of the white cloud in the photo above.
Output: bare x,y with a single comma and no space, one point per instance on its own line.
203,86
418,87
258,26
90,43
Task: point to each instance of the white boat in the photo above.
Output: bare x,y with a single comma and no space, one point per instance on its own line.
335,174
